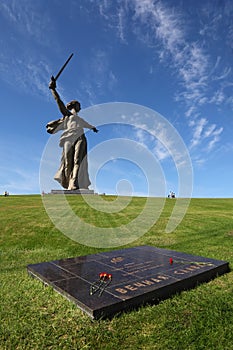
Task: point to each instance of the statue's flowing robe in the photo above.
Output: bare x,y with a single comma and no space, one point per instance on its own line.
73,170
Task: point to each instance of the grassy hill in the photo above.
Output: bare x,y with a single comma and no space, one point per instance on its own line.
35,317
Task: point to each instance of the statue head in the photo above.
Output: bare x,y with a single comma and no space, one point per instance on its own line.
74,104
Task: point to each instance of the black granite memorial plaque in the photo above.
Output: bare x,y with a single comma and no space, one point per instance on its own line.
135,276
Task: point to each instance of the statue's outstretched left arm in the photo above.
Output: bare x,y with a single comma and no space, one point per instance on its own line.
88,126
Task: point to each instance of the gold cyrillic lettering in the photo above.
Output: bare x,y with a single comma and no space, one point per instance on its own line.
130,287
139,284
156,280
148,283
163,277
121,290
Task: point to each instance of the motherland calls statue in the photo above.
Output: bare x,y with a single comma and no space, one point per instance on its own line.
73,171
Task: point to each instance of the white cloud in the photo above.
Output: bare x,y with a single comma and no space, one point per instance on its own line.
193,67
202,130
218,98
140,136
26,18
226,72
98,77
166,25
162,23
25,28
160,151
192,64
121,25
19,181
198,129
28,74
209,130
165,29
112,80
216,137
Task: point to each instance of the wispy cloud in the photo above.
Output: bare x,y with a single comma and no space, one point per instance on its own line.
98,77
162,23
121,25
198,131
225,74
163,143
166,25
192,65
204,131
165,29
19,181
214,15
25,18
216,137
29,75
203,81
25,27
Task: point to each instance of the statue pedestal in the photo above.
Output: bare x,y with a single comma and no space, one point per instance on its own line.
79,191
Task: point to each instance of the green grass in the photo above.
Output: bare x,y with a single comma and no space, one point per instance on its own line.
33,316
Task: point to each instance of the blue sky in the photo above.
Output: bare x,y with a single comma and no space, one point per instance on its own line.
173,57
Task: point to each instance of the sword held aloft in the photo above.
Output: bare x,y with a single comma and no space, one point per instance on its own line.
54,79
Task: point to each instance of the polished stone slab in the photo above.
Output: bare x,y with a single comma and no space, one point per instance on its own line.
140,275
